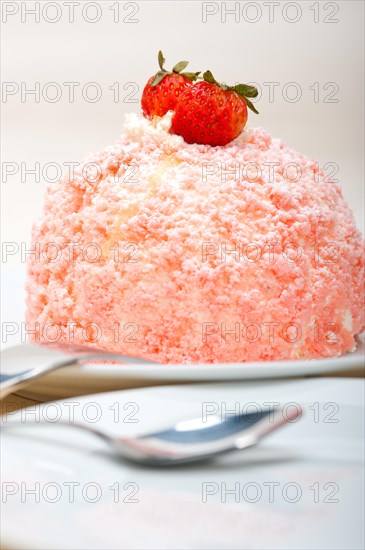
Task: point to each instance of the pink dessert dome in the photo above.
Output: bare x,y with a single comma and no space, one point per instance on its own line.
190,253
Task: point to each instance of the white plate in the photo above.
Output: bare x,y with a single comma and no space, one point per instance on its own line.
94,378
314,467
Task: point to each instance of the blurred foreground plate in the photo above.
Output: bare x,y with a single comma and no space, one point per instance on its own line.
301,488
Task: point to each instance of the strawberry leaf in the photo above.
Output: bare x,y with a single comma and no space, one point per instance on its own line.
250,105
191,76
158,77
208,77
246,90
180,66
161,60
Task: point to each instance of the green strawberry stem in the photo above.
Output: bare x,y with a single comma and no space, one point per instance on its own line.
180,66
243,90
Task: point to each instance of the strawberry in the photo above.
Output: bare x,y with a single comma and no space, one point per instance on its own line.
212,113
163,89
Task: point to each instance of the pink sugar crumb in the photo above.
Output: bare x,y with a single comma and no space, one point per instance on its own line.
159,298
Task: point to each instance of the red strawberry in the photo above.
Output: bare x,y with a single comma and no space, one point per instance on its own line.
163,90
212,113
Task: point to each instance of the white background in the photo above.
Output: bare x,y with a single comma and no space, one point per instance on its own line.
235,49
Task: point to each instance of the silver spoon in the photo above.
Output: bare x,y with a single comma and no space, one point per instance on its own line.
192,440
40,360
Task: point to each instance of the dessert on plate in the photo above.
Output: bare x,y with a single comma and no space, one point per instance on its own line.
194,238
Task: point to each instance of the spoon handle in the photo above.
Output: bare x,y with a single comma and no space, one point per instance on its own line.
41,360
